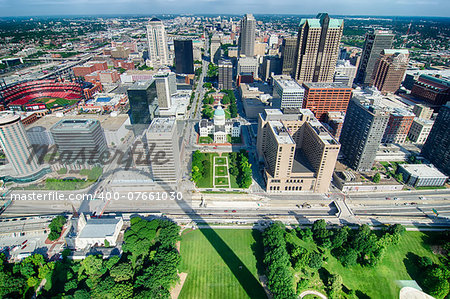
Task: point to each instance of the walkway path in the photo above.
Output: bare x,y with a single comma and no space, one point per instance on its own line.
311,292
226,175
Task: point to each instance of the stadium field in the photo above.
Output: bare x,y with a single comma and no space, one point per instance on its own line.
55,102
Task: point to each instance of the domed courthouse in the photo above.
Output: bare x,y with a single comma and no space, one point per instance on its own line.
220,127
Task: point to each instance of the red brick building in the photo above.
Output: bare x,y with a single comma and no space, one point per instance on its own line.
434,90
87,68
125,64
390,69
398,126
322,98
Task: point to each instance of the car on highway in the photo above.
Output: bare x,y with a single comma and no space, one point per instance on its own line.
226,211
234,211
422,198
24,242
396,198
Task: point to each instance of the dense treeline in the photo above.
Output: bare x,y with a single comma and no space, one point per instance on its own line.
146,269
284,256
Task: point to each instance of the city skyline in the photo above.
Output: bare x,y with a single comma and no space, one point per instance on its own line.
431,8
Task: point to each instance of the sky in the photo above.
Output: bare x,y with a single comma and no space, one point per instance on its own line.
147,7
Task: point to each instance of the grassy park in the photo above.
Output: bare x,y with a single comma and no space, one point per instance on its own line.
55,102
216,272
219,262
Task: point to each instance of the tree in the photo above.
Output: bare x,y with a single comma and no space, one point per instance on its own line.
122,271
56,227
376,178
339,237
315,260
347,257
334,285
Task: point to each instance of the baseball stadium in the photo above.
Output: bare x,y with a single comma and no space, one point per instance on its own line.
41,94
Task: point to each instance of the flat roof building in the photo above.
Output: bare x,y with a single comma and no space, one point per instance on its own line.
322,98
298,152
361,134
422,175
83,139
289,91
420,129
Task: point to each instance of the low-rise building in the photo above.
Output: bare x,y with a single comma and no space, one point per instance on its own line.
87,232
422,175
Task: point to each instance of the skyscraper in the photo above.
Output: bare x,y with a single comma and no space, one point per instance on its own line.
215,48
317,48
375,42
143,106
162,133
225,74
82,137
288,55
390,69
247,36
437,147
361,134
163,90
158,51
184,57
15,144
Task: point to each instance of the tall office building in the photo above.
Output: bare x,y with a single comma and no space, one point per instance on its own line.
271,66
158,50
317,48
162,134
361,134
346,71
15,144
322,98
298,152
163,90
215,48
84,138
437,147
247,36
375,42
225,74
248,65
288,91
184,57
390,69
288,48
143,105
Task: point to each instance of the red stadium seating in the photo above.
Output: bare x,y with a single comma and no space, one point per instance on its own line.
23,93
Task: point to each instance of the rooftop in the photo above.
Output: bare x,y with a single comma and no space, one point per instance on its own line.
422,170
7,117
71,124
99,228
108,122
324,85
162,125
141,85
280,132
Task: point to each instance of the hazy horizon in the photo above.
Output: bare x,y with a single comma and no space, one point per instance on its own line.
388,8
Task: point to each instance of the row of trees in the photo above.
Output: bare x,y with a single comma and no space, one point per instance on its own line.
200,166
241,168
56,227
434,278
146,269
229,96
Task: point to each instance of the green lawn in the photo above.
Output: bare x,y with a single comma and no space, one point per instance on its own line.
220,161
221,170
381,281
52,102
221,181
205,140
207,180
221,264
233,182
